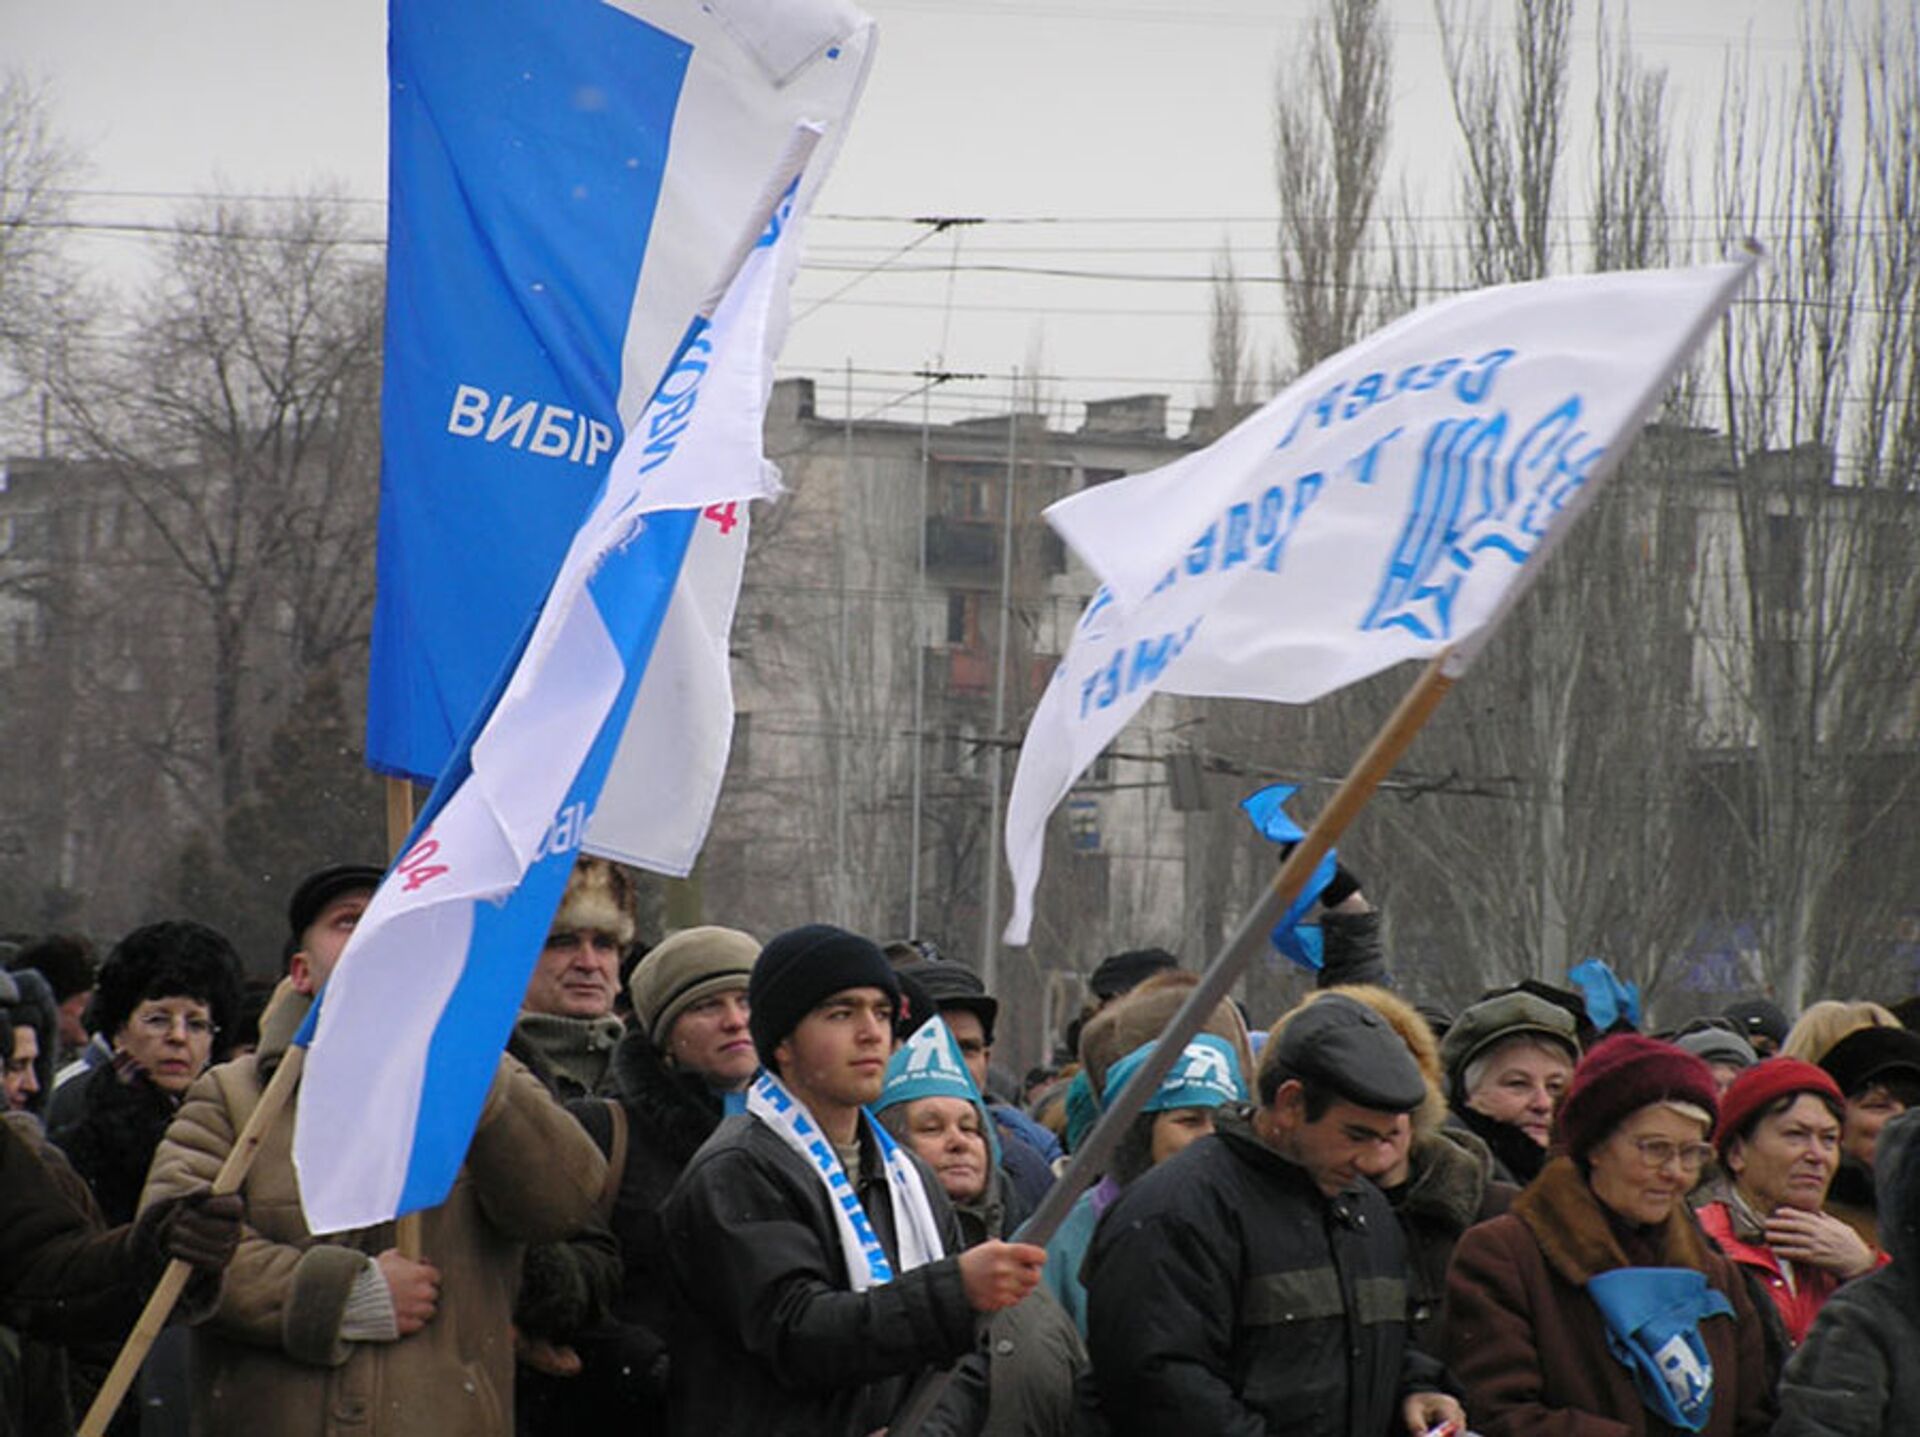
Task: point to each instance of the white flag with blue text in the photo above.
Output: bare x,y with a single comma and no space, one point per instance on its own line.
1379,509
412,1022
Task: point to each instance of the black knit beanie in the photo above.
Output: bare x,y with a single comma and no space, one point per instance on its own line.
800,969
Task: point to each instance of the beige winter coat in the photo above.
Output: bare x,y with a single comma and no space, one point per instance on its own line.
270,1361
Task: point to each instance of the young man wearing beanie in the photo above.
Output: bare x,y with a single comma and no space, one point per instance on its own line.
1256,1281
808,1249
343,1332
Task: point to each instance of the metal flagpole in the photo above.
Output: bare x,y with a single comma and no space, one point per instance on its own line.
920,665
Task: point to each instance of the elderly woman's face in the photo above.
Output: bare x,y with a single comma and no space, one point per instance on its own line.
1523,1079
1646,1166
1790,1158
170,1038
945,1132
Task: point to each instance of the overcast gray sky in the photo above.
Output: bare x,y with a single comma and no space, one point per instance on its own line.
1123,136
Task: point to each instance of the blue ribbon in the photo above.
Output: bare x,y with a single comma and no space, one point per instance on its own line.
1303,943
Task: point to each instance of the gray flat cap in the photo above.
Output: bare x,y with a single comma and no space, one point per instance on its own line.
1717,1045
1350,1048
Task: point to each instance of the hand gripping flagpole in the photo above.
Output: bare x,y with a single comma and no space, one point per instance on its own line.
233,1172
1092,1157
232,1175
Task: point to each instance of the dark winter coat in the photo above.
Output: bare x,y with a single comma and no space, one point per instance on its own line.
1530,1347
669,1115
1035,1359
112,1140
567,1288
1449,1187
1517,1158
1227,1295
64,1279
1858,1372
1851,1199
771,1340
1352,951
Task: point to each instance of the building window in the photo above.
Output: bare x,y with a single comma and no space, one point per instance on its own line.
962,618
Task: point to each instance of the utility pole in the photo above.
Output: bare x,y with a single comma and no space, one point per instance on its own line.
990,929
842,879
934,378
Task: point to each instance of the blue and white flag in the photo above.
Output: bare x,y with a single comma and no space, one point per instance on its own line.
1380,508
414,1018
568,179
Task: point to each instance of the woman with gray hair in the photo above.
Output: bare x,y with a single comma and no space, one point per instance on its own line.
1508,1059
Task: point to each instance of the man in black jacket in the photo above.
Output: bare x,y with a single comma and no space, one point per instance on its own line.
806,1248
1256,1282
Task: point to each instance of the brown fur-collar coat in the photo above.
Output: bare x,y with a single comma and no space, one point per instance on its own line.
1530,1348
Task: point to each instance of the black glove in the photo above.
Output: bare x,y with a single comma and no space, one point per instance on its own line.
198,1228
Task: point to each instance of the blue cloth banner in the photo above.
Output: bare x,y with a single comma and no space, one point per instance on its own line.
527,151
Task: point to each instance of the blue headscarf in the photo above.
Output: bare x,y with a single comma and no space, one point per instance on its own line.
929,1065
1205,1075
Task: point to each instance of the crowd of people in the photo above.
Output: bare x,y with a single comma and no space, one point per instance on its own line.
721,1185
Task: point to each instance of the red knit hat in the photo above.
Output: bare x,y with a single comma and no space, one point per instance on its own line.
1623,1074
1759,1085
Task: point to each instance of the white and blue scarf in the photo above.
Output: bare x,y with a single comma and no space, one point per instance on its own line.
915,1228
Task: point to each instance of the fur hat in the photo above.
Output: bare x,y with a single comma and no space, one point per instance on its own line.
169,960
1414,1031
1120,974
1869,1055
693,964
1627,1072
599,899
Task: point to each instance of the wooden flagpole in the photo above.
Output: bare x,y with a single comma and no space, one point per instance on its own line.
233,1172
406,1231
1093,1156
153,1317
1248,939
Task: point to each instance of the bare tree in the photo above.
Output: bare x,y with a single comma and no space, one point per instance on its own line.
239,418
1229,346
36,166
1628,211
1330,131
1511,117
1815,587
